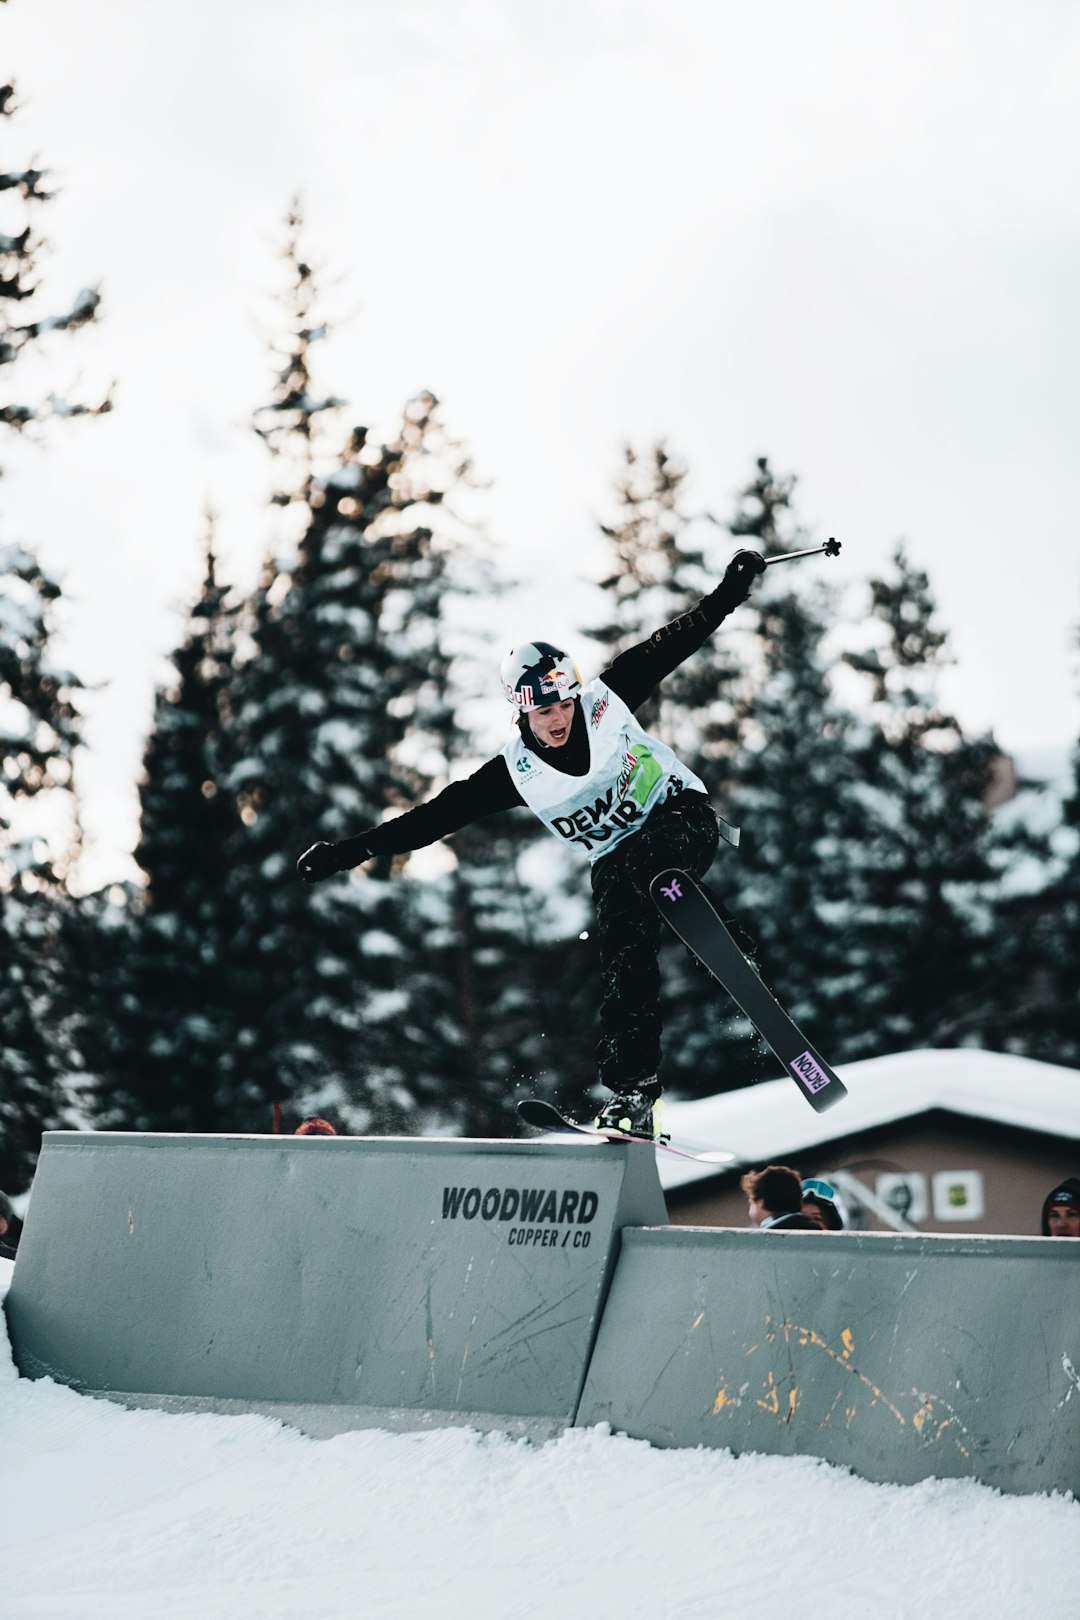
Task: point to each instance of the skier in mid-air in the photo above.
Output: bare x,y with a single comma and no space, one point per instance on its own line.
596,779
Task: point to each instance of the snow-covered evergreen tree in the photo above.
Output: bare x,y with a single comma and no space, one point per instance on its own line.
1032,968
653,566
339,715
663,561
39,729
23,327
166,1025
922,877
1063,951
39,726
791,792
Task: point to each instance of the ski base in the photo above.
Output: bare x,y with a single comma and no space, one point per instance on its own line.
546,1117
689,912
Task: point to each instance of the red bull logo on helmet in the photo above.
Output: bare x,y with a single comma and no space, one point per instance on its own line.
553,682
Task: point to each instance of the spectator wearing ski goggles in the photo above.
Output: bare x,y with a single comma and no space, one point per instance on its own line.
822,1203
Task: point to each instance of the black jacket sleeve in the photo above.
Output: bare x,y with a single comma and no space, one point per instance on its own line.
485,792
636,673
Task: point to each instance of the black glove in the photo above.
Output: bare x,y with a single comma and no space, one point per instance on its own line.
739,575
745,565
318,862
323,860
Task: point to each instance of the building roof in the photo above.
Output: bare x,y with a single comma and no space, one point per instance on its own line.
771,1122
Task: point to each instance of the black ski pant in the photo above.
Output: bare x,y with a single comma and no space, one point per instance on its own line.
681,832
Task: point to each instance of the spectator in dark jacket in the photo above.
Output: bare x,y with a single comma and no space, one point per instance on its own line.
1061,1210
774,1199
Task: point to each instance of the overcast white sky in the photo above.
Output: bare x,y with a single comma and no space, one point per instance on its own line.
845,234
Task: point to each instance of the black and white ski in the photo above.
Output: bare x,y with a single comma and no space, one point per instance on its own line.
687,909
546,1117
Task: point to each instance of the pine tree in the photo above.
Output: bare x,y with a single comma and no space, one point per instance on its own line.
922,877
169,1032
21,326
338,716
40,729
659,572
40,725
651,556
1062,910
790,790
1036,944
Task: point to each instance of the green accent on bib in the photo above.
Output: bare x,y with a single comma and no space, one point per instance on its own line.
643,776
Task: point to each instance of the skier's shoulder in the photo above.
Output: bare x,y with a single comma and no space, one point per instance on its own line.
486,789
599,699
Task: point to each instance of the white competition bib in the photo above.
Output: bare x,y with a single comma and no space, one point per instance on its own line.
629,774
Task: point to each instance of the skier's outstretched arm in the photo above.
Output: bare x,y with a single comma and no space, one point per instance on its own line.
485,792
636,673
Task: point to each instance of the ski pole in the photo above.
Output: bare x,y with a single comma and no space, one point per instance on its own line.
831,548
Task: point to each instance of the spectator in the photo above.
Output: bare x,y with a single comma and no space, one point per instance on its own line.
9,1229
315,1127
821,1203
1061,1211
774,1198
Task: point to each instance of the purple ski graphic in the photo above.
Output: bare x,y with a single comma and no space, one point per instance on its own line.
806,1069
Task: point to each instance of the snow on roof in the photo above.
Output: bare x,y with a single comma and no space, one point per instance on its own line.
768,1123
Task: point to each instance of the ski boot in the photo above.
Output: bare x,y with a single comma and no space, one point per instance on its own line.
638,1112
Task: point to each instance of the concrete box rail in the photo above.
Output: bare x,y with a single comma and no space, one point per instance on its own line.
901,1357
333,1282
526,1286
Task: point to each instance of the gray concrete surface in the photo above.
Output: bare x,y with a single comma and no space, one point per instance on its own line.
900,1357
369,1274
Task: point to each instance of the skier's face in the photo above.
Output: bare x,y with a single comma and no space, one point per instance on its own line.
551,725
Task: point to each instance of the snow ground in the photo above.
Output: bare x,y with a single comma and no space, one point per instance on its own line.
112,1514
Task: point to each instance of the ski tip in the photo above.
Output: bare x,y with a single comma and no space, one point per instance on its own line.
822,1101
825,1093
536,1112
